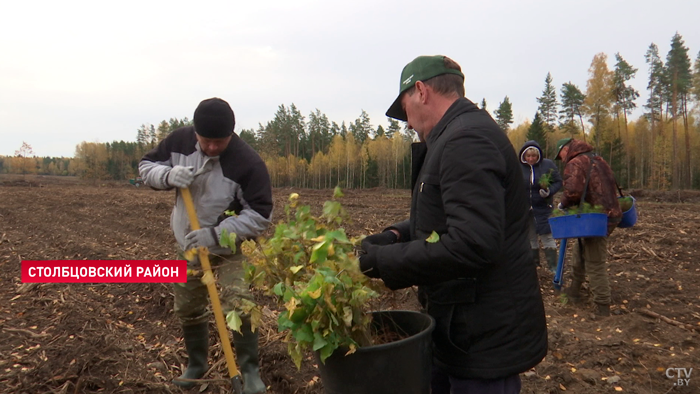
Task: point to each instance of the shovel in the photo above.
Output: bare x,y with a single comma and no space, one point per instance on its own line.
559,272
208,279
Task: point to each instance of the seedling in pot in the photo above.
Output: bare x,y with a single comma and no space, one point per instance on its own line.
309,266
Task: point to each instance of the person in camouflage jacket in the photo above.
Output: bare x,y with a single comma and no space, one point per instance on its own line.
590,253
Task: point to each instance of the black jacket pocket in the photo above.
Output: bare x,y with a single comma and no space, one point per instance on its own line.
430,211
456,291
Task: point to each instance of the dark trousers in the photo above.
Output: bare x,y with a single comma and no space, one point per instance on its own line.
442,383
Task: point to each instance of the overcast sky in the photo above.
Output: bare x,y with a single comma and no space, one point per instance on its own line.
73,71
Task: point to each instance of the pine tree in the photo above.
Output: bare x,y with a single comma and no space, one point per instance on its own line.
548,104
656,83
248,135
380,132
625,95
537,132
297,128
334,130
678,79
504,114
571,102
152,137
655,107
362,128
319,132
394,127
548,108
163,130
696,79
287,131
343,130
142,135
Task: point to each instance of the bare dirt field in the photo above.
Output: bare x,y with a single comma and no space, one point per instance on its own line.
124,338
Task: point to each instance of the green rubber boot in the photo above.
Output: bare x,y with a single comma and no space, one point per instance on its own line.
197,345
247,356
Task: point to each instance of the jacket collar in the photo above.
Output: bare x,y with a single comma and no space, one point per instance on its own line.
460,106
576,148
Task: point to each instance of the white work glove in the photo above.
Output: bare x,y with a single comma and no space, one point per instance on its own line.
559,207
204,237
544,193
180,176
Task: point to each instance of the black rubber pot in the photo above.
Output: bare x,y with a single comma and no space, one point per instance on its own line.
403,366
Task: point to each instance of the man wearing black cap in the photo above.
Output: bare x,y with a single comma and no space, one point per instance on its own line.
223,173
477,280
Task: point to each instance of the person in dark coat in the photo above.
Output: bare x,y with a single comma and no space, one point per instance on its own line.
535,166
477,280
590,254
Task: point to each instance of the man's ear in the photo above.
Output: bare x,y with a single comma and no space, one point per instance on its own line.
423,91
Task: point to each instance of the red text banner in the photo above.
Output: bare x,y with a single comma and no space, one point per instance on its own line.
104,271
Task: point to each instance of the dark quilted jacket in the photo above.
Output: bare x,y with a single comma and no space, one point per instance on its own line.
478,280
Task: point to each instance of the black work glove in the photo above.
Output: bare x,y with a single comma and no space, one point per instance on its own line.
368,260
384,238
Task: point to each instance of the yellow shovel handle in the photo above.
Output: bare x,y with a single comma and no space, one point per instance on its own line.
211,286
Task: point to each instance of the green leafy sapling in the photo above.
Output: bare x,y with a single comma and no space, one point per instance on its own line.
309,266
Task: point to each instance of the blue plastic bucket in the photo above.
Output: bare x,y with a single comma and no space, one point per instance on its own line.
582,225
629,217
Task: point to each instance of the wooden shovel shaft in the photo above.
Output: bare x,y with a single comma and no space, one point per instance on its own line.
211,286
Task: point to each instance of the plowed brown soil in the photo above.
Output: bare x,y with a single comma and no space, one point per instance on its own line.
123,338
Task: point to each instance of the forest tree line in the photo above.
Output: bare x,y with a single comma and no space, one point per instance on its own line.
653,151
